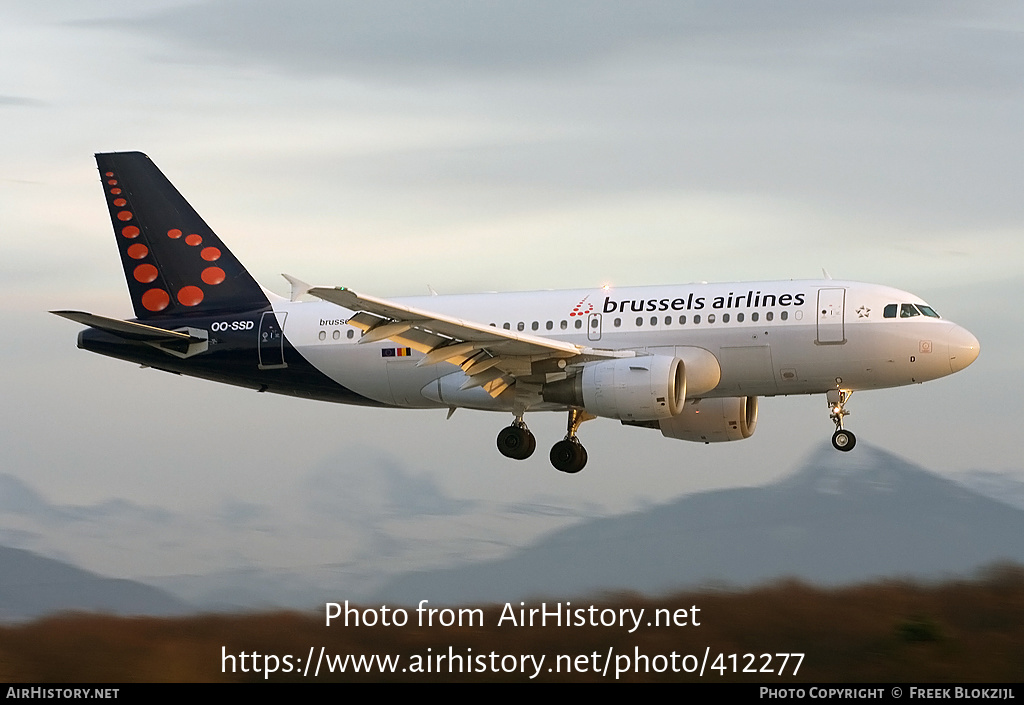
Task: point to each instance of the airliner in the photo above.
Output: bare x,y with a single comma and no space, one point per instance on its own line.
689,360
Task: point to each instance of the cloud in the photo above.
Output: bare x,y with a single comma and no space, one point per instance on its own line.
479,37
13,101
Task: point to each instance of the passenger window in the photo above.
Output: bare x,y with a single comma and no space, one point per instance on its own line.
618,322
654,320
769,316
696,319
520,326
351,334
564,324
682,320
507,326
639,321
336,334
725,318
535,325
754,316
739,318
579,323
785,315
549,325
711,318
668,320
323,335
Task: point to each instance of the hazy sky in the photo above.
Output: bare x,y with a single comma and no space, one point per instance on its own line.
474,145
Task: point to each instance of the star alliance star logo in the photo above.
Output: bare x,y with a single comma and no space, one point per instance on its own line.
863,312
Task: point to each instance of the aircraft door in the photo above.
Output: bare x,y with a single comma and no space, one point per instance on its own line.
271,337
831,303
594,326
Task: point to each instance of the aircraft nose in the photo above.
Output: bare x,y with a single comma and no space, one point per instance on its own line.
963,348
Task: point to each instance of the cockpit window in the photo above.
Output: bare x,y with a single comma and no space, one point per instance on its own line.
908,311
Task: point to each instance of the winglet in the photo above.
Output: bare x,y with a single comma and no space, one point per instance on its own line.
299,287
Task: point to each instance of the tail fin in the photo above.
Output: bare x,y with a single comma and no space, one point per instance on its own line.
174,263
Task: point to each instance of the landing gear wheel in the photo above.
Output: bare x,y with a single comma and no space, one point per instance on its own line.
516,442
843,440
568,456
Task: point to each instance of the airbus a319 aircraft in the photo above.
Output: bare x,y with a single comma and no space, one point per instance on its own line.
689,360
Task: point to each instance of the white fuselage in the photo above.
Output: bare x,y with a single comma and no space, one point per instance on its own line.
769,338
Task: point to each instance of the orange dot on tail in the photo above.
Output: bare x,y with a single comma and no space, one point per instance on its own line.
119,202
210,254
190,295
213,275
115,190
137,251
145,273
124,215
194,240
109,173
130,231
174,234
155,300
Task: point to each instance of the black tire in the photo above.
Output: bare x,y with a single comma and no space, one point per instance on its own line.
568,456
843,440
516,442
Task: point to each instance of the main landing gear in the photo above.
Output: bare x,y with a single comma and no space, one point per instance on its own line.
568,455
842,439
516,441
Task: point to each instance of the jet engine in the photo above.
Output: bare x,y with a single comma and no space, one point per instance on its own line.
710,420
631,389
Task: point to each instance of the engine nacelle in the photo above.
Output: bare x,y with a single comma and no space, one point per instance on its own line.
713,420
645,388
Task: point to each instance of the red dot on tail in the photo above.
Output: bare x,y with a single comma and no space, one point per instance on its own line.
130,231
109,173
155,300
115,190
119,202
124,215
145,273
210,254
213,275
193,240
190,295
174,234
137,251
112,182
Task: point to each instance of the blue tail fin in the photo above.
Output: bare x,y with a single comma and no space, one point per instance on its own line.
174,263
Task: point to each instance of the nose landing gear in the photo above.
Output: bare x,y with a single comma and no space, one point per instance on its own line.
842,439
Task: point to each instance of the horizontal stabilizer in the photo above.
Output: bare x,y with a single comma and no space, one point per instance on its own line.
126,329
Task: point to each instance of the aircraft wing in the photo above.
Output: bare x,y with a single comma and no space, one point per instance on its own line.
492,358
